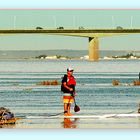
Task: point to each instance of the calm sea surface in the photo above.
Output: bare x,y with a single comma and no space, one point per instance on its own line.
20,92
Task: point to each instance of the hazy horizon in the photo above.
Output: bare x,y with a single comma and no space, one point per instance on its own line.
22,54
69,50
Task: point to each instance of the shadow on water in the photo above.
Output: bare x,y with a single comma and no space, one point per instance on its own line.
68,123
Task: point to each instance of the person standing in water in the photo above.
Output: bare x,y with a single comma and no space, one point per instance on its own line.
68,89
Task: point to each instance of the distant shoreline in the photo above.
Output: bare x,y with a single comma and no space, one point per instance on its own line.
36,59
66,55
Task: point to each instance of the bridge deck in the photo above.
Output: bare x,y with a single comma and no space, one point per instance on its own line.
73,32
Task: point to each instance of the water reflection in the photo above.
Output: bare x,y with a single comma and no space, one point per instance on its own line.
68,123
8,126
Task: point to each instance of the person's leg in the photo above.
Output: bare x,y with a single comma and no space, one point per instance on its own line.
65,109
69,105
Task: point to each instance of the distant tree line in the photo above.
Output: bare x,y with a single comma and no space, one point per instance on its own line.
57,56
127,56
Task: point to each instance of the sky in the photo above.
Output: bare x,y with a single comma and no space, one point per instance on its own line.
69,19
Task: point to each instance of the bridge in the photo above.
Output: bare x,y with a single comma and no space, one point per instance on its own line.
92,34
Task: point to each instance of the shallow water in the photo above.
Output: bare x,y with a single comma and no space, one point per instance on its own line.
20,92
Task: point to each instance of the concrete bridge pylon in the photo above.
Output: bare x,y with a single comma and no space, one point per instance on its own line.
93,49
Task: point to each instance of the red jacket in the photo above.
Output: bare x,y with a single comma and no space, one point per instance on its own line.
71,80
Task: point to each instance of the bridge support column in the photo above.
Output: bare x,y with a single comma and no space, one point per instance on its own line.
93,49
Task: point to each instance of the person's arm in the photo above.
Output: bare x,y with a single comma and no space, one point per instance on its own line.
65,85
